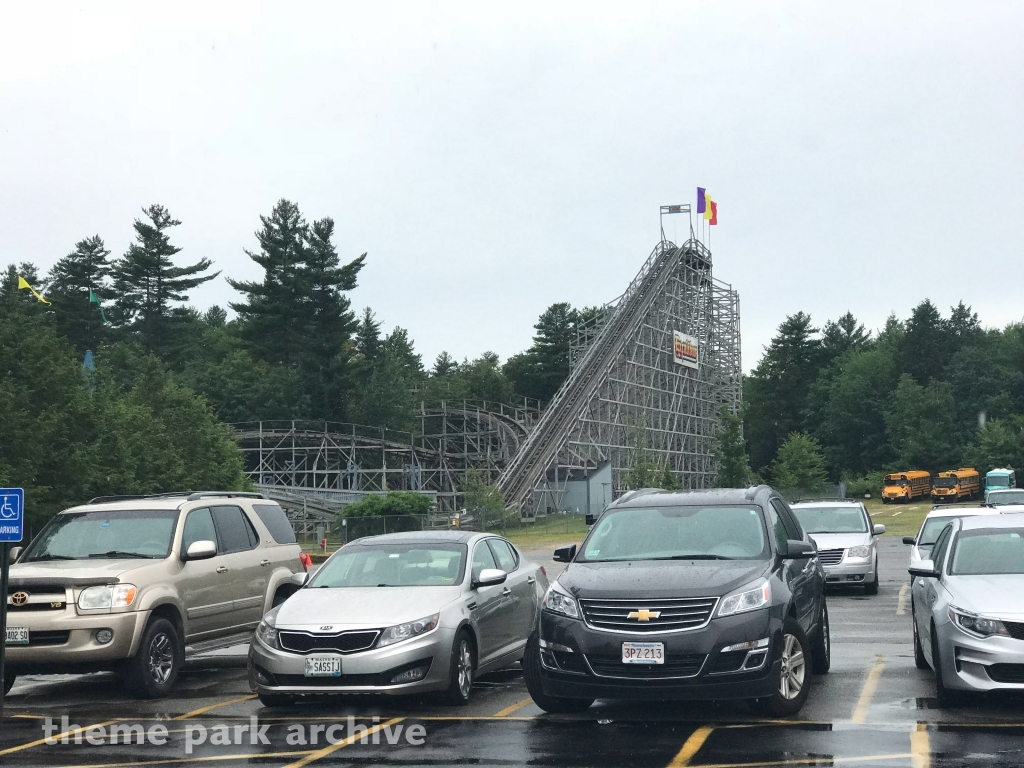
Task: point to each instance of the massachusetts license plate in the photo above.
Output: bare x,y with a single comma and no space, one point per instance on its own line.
643,653
17,636
323,666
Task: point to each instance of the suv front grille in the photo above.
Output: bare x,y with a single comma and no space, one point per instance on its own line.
671,614
610,665
830,556
339,642
38,599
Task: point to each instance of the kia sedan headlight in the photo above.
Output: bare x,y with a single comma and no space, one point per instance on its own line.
746,600
410,629
558,601
266,632
975,625
862,551
106,597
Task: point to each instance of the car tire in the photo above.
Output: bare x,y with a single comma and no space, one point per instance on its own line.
919,660
151,673
872,588
556,705
9,679
946,696
792,672
460,670
276,699
821,648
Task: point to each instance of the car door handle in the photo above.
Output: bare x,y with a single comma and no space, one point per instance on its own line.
506,592
471,606
222,569
264,562
531,580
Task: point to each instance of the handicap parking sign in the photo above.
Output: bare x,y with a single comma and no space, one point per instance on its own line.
12,514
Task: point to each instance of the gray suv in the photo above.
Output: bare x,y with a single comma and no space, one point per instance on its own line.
126,583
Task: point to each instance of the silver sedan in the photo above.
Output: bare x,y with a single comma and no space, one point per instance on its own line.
968,606
397,614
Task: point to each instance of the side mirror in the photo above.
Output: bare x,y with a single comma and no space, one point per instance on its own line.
15,554
798,550
925,568
879,529
490,577
911,540
565,554
299,579
200,550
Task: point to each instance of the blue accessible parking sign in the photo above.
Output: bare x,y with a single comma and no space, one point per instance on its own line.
12,514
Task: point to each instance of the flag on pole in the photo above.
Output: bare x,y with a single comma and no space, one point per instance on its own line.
23,283
94,299
701,200
713,216
707,206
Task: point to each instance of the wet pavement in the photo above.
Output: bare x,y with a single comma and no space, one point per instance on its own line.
873,708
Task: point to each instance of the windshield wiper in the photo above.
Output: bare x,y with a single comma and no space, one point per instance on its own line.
119,553
694,557
49,557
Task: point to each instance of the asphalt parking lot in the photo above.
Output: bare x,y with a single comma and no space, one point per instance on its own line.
873,708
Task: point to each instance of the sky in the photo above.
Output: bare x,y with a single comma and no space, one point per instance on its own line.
493,159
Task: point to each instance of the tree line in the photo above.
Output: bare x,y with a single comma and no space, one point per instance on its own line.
147,412
838,402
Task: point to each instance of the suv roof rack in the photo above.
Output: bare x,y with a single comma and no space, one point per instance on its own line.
197,495
823,499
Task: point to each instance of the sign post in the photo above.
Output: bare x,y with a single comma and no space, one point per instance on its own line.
12,529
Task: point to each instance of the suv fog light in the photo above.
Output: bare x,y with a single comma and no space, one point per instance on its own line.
104,636
410,675
754,659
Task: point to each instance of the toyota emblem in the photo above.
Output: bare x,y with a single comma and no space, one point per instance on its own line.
19,598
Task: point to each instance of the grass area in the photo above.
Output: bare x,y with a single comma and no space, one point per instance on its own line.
552,531
899,519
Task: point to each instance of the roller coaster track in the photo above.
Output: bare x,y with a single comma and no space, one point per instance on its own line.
540,449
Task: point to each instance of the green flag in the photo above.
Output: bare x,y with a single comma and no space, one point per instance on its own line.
94,299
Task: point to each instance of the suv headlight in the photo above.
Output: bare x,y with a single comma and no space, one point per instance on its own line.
400,632
862,551
107,596
558,601
266,632
976,625
749,599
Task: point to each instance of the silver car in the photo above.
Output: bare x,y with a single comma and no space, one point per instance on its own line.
968,606
401,613
847,541
1006,500
934,522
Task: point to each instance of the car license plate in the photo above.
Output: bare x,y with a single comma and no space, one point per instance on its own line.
643,653
17,636
323,666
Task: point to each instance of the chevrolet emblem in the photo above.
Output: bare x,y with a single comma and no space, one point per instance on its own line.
643,615
19,598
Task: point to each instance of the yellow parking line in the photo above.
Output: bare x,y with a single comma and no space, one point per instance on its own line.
901,607
71,733
202,710
312,757
514,708
867,693
920,748
195,759
691,746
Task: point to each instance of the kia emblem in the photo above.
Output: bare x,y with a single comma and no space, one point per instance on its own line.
329,626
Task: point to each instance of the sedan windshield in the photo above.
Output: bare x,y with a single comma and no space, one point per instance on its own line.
932,528
393,565
988,551
1006,497
832,519
678,533
105,534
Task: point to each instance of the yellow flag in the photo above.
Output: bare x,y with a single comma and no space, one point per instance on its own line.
23,283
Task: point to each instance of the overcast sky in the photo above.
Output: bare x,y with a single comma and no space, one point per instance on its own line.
494,160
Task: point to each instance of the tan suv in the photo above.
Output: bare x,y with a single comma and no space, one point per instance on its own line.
127,583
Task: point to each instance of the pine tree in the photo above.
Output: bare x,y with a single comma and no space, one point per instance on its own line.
147,284
368,336
272,318
72,283
730,451
444,365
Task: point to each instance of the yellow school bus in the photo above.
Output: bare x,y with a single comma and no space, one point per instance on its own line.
906,486
956,484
